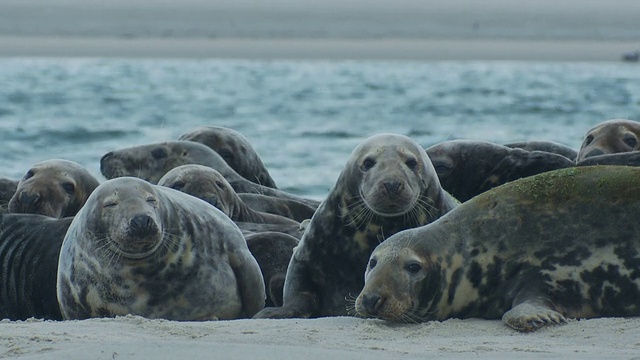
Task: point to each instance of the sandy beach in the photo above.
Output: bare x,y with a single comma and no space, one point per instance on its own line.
134,337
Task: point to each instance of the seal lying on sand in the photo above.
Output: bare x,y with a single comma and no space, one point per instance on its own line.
209,185
387,185
467,168
142,249
29,249
56,188
150,162
235,149
563,244
610,137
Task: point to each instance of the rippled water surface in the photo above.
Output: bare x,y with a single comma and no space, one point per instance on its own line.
303,118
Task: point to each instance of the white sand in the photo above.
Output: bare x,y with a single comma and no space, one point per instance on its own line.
328,338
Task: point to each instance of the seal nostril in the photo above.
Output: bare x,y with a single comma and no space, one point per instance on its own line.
392,187
141,225
28,200
372,303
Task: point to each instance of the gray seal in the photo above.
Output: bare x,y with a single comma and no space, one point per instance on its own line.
151,161
534,252
142,249
545,146
467,168
209,185
610,137
56,188
235,149
29,249
290,208
387,185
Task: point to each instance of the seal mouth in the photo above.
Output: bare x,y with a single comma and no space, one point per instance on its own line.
391,207
136,249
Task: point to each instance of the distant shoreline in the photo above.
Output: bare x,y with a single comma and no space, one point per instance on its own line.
317,48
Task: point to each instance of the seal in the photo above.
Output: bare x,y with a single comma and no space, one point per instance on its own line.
235,149
534,252
292,209
273,252
610,137
29,249
209,185
546,146
387,185
150,162
56,188
142,249
467,168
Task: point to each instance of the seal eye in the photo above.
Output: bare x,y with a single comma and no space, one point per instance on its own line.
178,185
441,168
368,163
109,204
631,141
372,263
28,175
414,268
151,200
220,185
412,164
226,154
588,140
69,188
159,153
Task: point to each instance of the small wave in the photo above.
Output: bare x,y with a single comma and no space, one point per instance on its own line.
330,134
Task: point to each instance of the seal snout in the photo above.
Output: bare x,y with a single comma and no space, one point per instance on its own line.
28,201
372,303
142,225
392,187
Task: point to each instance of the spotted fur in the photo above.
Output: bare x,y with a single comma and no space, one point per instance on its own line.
564,244
387,185
142,249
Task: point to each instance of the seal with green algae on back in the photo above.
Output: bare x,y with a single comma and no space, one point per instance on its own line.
534,252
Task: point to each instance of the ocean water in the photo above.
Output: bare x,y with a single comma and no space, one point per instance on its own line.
303,118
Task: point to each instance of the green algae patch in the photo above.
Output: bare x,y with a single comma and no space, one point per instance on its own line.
595,182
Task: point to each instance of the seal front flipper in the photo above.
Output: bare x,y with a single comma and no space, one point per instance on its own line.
531,315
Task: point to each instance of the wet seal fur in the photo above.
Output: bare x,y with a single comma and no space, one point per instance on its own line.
56,188
152,161
467,168
387,185
292,209
29,249
563,244
235,149
610,137
142,249
209,185
545,146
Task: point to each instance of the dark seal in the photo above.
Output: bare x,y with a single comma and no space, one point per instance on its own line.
467,168
235,149
387,185
29,249
142,249
545,146
56,188
563,244
272,251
